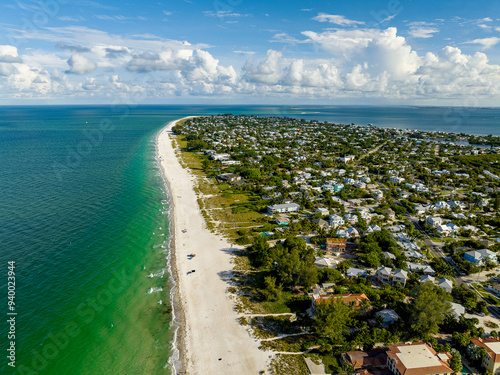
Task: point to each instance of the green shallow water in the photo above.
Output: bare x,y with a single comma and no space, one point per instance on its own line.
84,240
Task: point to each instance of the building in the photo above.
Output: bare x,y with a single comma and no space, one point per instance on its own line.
336,221
229,177
336,245
383,275
355,272
321,223
457,310
283,208
417,359
491,360
396,180
360,359
445,284
325,262
434,221
350,299
399,277
387,317
480,256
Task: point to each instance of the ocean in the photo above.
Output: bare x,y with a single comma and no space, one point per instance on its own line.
84,215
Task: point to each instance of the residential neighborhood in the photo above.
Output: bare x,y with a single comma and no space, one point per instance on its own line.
382,242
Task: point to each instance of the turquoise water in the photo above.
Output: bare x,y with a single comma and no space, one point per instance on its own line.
82,204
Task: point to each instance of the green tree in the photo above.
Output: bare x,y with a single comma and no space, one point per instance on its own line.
429,309
455,362
272,292
332,319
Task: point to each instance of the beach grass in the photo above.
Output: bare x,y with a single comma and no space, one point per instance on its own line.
289,364
224,209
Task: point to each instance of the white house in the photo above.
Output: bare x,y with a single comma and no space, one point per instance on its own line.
434,221
445,284
336,221
373,228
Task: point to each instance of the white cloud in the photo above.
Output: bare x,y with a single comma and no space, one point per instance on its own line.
336,19
223,14
360,62
8,54
485,42
267,71
423,31
167,13
79,64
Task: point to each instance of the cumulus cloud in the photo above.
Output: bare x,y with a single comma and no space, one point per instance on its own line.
336,19
486,42
79,64
267,71
356,62
9,54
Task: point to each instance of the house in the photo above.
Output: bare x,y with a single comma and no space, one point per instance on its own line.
388,255
491,360
282,220
441,205
369,359
383,275
387,316
390,213
434,221
457,310
352,232
229,177
322,211
336,245
351,218
414,254
336,221
445,284
373,228
350,299
355,272
399,277
321,223
427,279
346,233
396,180
480,256
283,208
417,359
422,268
325,263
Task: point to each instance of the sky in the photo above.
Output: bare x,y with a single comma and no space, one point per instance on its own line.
393,52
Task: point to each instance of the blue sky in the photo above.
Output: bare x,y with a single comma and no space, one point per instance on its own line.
241,51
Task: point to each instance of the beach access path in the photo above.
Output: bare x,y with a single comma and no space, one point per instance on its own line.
212,340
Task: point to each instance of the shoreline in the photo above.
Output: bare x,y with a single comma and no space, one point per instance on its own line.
208,337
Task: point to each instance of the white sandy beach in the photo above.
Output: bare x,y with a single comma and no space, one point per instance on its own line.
210,329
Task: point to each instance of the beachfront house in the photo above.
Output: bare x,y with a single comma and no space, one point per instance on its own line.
283,208
417,358
490,360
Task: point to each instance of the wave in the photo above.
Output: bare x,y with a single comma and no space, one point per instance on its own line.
154,290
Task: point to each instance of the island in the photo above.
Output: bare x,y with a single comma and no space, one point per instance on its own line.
313,247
